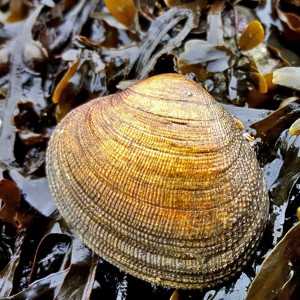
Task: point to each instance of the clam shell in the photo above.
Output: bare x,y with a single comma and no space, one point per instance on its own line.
158,180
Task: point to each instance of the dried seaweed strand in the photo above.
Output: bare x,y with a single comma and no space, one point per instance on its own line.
158,30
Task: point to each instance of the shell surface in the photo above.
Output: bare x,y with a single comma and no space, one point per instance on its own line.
158,180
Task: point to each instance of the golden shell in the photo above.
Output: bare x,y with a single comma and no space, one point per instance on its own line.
159,181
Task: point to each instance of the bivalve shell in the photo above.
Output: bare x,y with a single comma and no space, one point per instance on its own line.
158,180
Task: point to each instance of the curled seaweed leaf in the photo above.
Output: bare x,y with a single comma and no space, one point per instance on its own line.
277,269
79,281
51,256
270,127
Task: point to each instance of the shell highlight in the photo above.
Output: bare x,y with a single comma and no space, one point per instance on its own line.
159,181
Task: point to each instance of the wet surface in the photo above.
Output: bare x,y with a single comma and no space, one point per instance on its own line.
73,51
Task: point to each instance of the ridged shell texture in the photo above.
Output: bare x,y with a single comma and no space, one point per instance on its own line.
158,180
